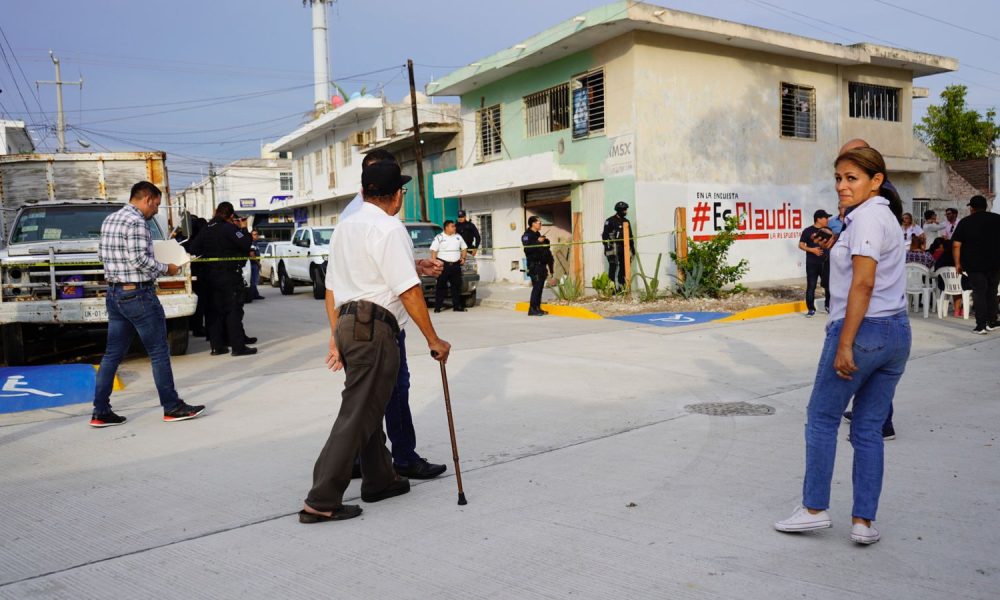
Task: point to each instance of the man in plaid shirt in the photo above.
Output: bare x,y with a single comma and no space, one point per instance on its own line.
126,249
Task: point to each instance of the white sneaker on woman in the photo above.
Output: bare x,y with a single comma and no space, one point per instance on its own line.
803,520
863,534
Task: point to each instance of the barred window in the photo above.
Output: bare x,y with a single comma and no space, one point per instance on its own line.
798,111
547,111
489,141
285,181
318,162
588,103
331,163
485,224
867,101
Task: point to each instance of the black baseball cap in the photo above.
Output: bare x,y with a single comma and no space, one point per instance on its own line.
821,214
382,178
978,202
461,213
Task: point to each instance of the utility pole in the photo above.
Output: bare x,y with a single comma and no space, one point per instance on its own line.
60,117
211,182
418,152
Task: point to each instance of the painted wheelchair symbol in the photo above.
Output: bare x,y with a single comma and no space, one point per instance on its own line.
15,386
674,318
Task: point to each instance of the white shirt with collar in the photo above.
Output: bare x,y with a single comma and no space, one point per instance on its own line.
371,258
870,230
449,247
352,206
949,227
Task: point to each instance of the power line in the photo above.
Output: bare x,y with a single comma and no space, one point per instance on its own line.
38,102
937,20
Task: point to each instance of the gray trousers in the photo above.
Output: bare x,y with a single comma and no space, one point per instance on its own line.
371,368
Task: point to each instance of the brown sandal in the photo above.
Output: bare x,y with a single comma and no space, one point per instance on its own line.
347,511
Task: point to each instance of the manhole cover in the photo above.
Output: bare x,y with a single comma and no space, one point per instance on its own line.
730,409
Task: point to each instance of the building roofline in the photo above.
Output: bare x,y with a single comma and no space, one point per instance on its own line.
613,20
355,108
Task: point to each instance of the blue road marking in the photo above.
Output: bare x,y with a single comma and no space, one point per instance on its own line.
674,319
31,388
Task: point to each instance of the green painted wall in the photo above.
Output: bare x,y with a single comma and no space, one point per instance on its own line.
584,156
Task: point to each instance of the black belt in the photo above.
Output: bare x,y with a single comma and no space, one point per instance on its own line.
378,313
132,285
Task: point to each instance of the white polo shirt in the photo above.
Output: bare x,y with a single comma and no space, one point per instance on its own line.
870,230
371,258
449,247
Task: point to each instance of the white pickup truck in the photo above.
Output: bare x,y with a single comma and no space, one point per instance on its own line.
303,261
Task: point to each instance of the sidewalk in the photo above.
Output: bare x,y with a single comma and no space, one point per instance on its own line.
585,474
506,295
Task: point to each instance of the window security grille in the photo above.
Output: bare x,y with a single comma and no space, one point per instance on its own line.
485,224
488,133
878,102
317,162
798,111
588,103
285,181
920,206
547,111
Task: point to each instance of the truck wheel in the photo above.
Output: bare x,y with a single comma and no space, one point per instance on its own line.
177,336
13,344
470,300
319,285
273,276
284,282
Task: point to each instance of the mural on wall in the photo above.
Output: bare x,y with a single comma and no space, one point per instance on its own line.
762,216
772,218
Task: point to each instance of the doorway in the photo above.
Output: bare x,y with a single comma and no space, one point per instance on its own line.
554,208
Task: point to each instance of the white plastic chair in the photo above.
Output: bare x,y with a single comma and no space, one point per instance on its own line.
952,287
918,286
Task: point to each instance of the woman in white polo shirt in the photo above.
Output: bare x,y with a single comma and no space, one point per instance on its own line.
866,348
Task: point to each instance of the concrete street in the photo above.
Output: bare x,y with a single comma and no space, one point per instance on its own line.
586,476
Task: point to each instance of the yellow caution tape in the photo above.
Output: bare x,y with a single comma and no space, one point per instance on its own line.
94,263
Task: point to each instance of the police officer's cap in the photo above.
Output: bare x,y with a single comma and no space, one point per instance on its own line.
461,214
621,207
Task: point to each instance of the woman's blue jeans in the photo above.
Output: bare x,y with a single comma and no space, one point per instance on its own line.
130,312
881,350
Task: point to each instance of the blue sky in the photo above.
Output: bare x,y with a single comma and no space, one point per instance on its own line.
209,80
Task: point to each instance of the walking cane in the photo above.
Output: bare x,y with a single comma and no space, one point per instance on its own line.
451,429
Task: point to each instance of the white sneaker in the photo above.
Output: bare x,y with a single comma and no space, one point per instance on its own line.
803,520
862,534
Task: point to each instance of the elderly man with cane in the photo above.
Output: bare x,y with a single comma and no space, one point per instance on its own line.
375,289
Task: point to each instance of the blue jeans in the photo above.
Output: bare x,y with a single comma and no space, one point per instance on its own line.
130,312
881,350
398,420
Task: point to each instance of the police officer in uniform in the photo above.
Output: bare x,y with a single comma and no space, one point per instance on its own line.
535,250
226,236
614,243
469,232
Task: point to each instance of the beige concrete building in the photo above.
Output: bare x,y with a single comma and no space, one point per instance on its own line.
665,110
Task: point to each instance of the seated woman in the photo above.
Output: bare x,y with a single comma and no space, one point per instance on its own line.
947,259
910,229
917,254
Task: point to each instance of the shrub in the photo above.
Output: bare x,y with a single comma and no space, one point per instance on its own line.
710,256
650,284
604,287
568,289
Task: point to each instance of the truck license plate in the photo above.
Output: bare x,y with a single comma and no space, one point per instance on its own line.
95,313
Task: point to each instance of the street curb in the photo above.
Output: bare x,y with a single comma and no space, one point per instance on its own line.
771,310
573,312
118,385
